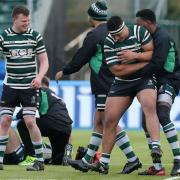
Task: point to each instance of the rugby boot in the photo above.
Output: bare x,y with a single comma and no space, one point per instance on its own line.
131,166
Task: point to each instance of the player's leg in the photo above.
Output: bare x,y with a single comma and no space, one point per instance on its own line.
8,102
58,138
147,97
28,101
146,131
96,137
36,139
115,108
148,104
28,146
58,141
166,96
14,150
25,137
133,162
67,152
14,141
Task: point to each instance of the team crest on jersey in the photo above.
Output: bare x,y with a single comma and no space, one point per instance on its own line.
16,53
33,100
150,83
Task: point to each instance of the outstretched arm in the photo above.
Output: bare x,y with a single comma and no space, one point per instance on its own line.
81,57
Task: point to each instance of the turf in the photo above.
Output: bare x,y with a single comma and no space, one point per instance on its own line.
81,137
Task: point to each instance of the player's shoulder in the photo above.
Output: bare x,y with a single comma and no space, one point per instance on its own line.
100,28
33,32
6,32
137,31
162,32
109,40
161,35
140,29
99,32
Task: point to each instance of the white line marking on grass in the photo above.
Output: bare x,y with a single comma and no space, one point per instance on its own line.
164,164
172,178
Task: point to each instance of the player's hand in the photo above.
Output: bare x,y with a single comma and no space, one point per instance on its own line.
36,83
58,75
127,56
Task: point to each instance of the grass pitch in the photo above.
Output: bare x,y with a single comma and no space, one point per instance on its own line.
81,137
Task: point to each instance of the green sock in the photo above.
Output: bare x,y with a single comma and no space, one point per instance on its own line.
172,137
156,161
38,147
93,146
105,158
122,141
3,143
149,141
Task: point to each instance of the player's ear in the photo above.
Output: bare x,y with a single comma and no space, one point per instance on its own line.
13,19
148,22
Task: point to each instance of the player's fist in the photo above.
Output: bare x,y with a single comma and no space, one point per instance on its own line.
59,75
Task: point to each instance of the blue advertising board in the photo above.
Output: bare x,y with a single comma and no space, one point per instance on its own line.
80,104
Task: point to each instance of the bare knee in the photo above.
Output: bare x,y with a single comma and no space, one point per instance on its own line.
6,122
149,107
110,123
30,123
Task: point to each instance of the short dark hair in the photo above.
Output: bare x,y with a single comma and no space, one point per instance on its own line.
114,23
147,14
20,10
45,81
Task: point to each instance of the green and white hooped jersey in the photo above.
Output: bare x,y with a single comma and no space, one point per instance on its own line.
20,50
138,36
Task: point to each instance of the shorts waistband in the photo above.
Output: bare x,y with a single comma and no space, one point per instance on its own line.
127,80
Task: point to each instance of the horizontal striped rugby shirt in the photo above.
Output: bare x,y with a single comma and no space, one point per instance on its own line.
138,36
20,50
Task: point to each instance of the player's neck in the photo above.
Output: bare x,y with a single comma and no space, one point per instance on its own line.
16,30
152,28
97,23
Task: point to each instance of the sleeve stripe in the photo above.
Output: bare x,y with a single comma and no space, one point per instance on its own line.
112,61
110,58
146,33
138,33
110,39
145,38
39,48
41,51
135,33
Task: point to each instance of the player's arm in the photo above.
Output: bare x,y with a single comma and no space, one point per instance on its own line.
126,69
43,61
130,56
144,38
43,68
81,57
44,64
116,67
159,57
